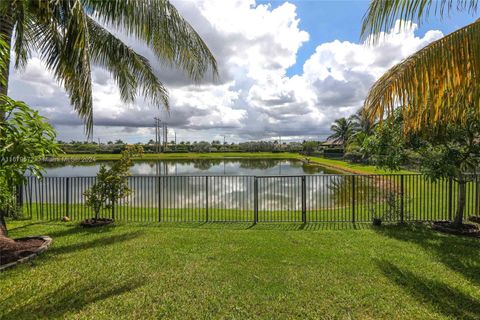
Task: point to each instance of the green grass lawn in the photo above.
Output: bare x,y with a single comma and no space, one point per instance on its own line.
238,271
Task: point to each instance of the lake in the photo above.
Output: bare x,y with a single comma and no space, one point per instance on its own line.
248,167
185,189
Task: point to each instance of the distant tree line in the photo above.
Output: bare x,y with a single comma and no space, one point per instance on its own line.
117,146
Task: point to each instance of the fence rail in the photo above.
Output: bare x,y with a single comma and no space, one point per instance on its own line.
308,198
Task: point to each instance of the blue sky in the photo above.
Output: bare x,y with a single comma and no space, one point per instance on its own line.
327,20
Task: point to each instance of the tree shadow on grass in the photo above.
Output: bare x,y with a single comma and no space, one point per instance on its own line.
24,226
70,230
280,226
71,297
94,243
458,253
441,297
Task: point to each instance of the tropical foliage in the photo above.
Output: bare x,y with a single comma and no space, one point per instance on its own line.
450,151
309,147
352,133
70,36
342,130
111,184
25,138
438,83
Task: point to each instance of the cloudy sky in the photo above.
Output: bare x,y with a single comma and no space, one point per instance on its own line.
286,69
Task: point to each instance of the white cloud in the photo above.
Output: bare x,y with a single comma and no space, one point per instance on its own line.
254,98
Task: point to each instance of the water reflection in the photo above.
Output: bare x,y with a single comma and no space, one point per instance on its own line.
193,167
217,190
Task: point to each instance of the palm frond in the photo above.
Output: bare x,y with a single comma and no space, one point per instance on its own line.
437,84
21,45
131,71
67,53
69,40
382,15
159,24
4,53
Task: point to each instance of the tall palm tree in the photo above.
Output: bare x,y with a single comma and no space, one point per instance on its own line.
70,36
435,83
362,123
342,131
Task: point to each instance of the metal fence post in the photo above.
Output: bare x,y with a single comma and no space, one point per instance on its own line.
450,198
477,196
67,196
353,198
19,193
255,200
113,210
159,199
304,200
402,196
206,198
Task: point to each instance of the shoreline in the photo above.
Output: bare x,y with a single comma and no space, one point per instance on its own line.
332,164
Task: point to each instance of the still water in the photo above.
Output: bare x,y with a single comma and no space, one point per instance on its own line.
249,167
186,190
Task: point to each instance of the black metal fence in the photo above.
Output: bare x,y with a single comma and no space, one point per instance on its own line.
309,198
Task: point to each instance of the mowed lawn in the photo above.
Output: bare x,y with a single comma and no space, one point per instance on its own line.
239,271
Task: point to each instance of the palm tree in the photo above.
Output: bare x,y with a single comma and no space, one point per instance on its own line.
342,131
70,36
362,123
435,83
438,85
363,128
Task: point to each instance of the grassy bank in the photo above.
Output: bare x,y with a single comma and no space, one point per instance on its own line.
238,271
337,165
192,156
351,167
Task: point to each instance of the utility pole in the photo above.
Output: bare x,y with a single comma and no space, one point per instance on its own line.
157,134
165,137
161,135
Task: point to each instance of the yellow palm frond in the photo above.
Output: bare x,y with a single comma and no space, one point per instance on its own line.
434,85
382,15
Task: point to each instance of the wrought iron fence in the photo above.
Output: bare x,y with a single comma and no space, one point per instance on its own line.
309,198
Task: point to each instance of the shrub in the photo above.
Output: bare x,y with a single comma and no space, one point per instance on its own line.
111,184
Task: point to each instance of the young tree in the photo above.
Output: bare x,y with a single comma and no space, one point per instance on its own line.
446,151
111,184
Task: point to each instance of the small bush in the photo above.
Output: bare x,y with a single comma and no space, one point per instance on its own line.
111,184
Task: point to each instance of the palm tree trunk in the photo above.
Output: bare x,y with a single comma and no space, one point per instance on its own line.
6,32
3,224
462,194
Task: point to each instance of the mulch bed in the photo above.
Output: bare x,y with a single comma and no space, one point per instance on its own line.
470,230
90,223
475,219
13,251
